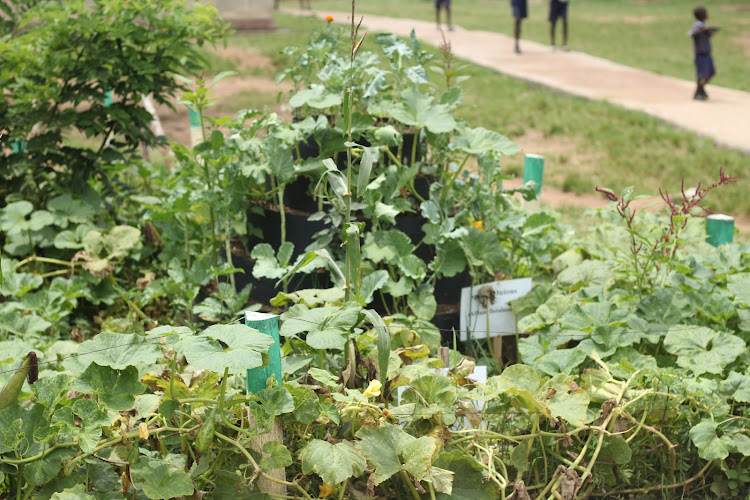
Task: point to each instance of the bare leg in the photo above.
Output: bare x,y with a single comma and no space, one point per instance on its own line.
437,17
517,33
448,15
565,32
552,32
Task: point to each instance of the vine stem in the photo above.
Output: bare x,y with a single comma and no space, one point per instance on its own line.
452,181
343,489
414,492
657,487
256,467
127,435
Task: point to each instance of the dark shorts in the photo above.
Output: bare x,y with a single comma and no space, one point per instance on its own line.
443,3
520,9
558,10
704,67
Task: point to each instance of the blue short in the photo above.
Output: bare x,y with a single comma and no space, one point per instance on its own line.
520,9
443,3
704,66
558,10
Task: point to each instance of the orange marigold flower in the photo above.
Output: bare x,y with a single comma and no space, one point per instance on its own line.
478,224
329,18
325,490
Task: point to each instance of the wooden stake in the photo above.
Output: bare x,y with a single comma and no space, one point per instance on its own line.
497,346
257,380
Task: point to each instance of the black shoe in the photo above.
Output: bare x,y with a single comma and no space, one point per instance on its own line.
518,49
700,96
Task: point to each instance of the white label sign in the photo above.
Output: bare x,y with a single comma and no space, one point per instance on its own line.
477,300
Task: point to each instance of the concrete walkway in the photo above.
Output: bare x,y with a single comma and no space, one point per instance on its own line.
725,117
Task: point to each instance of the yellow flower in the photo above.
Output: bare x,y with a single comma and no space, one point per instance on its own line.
143,430
373,389
478,224
325,490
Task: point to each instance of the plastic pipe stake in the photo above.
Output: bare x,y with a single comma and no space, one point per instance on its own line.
533,170
719,229
196,131
257,378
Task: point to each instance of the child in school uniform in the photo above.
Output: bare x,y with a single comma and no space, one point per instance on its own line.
704,62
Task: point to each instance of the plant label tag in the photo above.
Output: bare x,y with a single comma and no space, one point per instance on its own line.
477,301
257,316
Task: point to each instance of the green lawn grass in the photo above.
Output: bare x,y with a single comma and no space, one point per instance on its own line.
651,35
596,143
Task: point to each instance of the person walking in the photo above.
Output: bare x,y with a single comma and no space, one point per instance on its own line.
558,9
447,5
520,10
704,62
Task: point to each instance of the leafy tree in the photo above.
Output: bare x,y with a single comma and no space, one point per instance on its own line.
59,60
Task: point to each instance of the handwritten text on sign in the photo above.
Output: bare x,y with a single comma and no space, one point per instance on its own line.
477,300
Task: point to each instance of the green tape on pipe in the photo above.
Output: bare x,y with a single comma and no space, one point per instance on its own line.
719,229
533,170
257,378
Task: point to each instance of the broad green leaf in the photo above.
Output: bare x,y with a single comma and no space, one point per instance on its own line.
387,136
386,212
323,377
742,443
737,387
116,350
616,449
468,480
43,470
301,319
418,454
566,400
72,208
413,267
701,349
441,479
77,492
306,404
710,445
333,463
18,284
450,259
276,456
89,432
247,348
292,364
116,389
423,304
13,216
372,283
266,263
276,401
387,246
160,480
316,97
588,272
739,285
380,447
327,338
480,140
419,111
